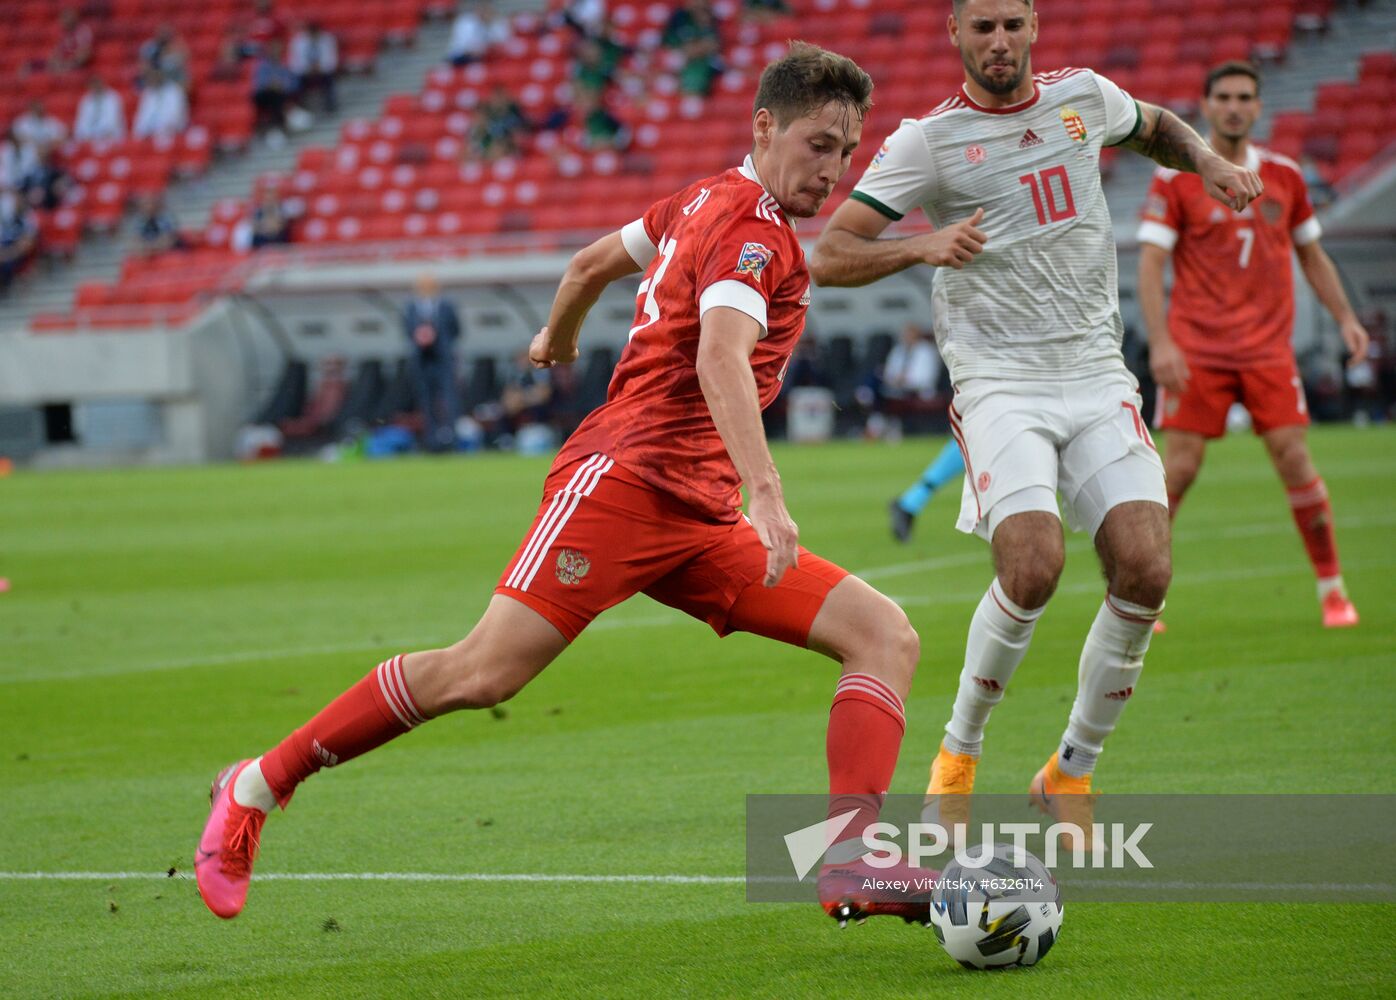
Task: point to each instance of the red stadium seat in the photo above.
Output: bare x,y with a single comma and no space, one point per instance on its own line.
406,175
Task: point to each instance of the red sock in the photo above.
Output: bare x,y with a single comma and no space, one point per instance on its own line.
372,712
866,724
1314,517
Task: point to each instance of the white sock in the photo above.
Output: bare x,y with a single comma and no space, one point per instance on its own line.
1110,665
999,634
1329,584
251,789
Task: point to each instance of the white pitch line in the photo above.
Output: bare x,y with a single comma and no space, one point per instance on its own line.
450,877
981,556
390,877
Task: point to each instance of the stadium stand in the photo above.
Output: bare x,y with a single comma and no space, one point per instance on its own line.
1351,122
409,182
112,173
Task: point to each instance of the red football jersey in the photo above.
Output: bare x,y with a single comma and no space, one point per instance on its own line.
1233,279
720,242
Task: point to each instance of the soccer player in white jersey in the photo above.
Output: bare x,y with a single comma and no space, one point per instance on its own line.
1027,318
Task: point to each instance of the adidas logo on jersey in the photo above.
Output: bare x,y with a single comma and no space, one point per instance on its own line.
1030,139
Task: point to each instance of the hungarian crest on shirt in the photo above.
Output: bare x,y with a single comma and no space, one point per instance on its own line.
1075,125
753,259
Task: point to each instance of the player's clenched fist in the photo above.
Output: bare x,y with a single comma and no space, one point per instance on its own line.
1233,186
544,353
956,245
777,532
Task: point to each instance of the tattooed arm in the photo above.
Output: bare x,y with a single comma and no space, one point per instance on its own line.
1169,141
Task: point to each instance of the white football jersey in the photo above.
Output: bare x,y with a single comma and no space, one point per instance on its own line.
1042,300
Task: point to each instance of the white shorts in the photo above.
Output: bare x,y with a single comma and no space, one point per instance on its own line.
1024,442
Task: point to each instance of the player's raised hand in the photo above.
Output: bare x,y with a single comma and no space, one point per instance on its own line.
1168,366
777,532
955,245
544,353
1233,186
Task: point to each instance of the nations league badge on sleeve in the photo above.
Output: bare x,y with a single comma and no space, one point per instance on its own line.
753,259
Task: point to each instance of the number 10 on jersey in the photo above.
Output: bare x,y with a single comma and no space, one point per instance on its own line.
1053,201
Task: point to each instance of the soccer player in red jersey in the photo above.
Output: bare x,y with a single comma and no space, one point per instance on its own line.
646,495
1226,338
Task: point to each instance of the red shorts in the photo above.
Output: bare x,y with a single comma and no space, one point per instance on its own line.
602,534
1274,396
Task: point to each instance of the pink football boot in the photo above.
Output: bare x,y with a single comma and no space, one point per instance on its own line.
223,861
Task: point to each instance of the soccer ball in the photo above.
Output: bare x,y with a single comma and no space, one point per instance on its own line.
997,915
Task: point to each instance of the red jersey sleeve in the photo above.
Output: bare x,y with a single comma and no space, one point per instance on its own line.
1161,218
1303,224
657,218
743,262
642,237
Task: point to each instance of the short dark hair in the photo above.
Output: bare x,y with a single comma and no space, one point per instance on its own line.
1232,67
806,78
959,5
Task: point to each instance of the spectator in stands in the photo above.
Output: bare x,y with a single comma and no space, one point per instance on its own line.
598,127
100,115
692,30
17,159
432,329
73,50
47,183
166,51
596,62
263,31
912,370
37,131
19,236
163,109
474,32
273,89
270,224
314,58
500,125
156,229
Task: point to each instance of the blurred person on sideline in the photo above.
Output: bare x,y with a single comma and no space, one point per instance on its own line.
432,329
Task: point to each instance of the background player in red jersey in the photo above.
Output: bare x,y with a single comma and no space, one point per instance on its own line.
1227,336
645,496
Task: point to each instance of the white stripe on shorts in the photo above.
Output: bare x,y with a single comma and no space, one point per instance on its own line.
541,531
564,504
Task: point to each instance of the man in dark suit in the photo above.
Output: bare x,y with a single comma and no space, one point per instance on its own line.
432,329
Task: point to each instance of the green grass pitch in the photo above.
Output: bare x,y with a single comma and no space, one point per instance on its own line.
162,623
